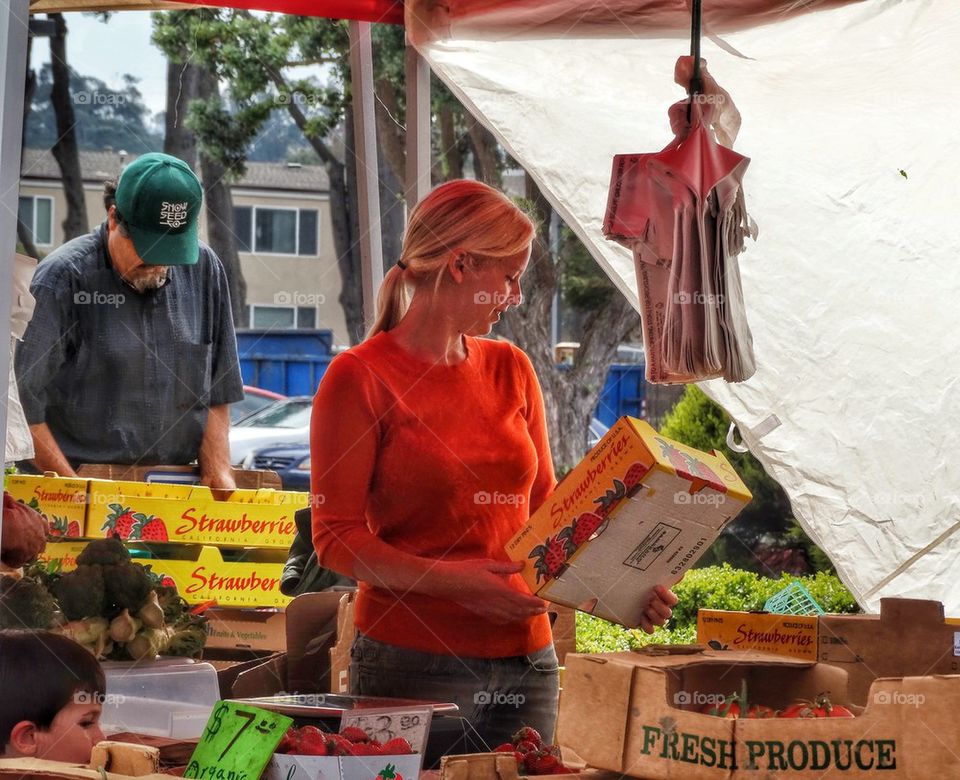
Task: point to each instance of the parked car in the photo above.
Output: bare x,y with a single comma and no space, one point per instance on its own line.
281,422
254,400
290,461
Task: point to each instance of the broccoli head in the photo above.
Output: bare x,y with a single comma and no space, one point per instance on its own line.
106,552
126,586
25,603
81,592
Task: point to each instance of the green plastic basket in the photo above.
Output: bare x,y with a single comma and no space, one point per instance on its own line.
793,600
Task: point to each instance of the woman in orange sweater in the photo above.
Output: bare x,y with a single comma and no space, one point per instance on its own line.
429,452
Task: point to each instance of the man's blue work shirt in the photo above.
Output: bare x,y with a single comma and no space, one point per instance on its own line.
121,376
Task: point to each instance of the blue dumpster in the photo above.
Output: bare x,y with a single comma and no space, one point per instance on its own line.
284,361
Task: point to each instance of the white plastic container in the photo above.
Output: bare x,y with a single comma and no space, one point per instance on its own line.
170,697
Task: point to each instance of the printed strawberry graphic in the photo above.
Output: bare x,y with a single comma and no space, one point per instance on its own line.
610,499
705,473
58,526
585,526
73,528
389,772
120,521
551,557
150,529
635,475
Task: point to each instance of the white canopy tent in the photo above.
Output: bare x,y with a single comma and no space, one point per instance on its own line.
848,110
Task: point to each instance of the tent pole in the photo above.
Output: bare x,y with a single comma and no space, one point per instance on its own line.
418,126
368,179
14,20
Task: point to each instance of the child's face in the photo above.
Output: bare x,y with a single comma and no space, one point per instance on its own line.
73,733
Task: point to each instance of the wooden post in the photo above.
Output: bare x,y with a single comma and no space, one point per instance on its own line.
368,178
418,126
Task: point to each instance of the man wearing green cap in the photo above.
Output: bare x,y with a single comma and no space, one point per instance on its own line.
131,356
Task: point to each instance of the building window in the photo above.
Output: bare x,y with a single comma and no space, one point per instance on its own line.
266,317
276,231
36,214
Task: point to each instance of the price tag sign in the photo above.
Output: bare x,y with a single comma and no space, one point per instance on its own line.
413,724
237,743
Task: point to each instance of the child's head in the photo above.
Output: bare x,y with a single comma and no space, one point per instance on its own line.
50,694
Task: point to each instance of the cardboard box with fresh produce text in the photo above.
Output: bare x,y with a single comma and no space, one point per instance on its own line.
61,500
161,512
909,637
793,635
637,511
246,629
641,715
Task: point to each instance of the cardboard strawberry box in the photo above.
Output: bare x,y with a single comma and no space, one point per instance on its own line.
793,635
637,511
161,512
61,500
640,715
238,578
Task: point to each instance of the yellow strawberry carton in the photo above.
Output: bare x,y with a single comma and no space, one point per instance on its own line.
637,511
61,556
61,500
234,578
160,512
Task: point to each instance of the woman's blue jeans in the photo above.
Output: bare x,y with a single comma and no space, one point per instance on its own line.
495,695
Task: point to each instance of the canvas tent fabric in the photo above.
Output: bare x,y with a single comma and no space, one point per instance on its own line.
850,113
849,117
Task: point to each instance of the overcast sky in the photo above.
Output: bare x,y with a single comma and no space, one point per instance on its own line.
107,50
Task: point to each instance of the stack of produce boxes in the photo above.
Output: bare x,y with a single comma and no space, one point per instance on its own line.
229,551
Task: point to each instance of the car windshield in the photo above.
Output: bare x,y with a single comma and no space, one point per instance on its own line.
289,414
250,404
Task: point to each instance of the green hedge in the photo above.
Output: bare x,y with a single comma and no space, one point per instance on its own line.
712,587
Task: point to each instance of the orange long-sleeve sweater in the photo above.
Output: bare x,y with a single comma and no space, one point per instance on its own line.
443,462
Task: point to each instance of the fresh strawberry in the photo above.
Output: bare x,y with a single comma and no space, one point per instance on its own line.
338,745
528,734
540,763
73,529
354,734
506,747
313,742
367,749
151,529
398,746
168,582
289,742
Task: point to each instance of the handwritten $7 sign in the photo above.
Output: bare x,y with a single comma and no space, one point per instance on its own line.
237,743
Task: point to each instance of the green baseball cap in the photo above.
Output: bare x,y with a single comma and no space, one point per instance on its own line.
159,197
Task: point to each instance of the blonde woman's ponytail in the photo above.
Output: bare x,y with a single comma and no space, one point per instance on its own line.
459,215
